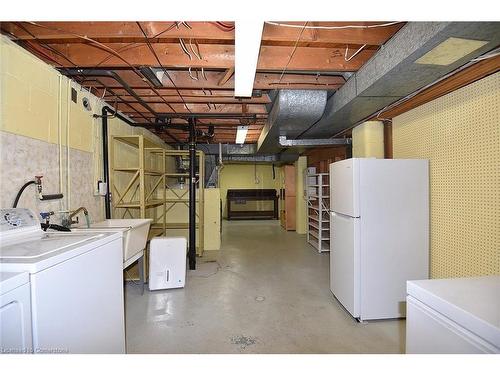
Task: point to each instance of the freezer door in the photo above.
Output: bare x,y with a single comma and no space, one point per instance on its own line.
344,261
344,187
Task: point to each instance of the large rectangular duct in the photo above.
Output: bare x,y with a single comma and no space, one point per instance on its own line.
393,73
293,112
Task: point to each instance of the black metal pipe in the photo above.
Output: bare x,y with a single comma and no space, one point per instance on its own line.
198,115
72,72
105,159
192,195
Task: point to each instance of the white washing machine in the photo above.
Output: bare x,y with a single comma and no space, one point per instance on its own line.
15,313
76,284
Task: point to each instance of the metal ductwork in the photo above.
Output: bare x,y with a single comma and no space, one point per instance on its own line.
393,73
245,153
293,112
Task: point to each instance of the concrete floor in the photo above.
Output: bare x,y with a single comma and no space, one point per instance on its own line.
266,291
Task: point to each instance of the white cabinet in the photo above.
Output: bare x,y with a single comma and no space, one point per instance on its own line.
453,316
15,313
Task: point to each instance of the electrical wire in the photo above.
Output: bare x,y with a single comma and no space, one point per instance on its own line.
335,27
184,48
354,54
489,55
223,26
293,51
163,68
191,75
197,54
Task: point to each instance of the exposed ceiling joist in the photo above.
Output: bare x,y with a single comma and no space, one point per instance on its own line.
202,32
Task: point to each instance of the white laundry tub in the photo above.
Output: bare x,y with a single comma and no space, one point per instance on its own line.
134,232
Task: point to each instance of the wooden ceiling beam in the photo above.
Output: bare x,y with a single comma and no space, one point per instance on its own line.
202,32
227,75
213,56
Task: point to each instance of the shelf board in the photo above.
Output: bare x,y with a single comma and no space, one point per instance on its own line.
137,204
133,170
317,247
178,174
317,227
317,196
316,208
133,140
316,235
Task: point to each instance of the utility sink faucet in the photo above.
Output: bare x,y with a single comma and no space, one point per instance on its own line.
69,221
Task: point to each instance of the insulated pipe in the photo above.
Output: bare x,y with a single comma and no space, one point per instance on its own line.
192,195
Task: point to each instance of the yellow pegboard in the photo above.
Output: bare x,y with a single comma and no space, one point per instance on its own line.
460,134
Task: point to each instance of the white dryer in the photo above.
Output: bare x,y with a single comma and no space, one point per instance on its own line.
76,284
15,313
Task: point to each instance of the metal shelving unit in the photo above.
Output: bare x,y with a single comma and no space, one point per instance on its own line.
175,199
318,215
145,187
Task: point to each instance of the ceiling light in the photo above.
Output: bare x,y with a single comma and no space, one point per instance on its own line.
451,50
247,46
241,134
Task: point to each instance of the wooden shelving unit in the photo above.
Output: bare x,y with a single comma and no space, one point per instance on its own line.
145,186
318,211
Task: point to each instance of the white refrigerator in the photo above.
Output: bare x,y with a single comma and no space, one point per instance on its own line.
379,229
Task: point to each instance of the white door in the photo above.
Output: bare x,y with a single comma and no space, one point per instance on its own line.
344,187
15,321
344,262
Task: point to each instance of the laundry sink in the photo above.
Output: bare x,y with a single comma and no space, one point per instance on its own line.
135,234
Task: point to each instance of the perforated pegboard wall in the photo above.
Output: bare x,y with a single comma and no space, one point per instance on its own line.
460,134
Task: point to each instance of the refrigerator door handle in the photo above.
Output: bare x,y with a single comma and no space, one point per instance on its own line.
344,216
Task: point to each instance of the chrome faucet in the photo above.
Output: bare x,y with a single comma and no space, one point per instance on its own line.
69,221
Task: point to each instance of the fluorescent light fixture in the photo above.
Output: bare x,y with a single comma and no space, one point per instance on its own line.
241,134
247,46
451,50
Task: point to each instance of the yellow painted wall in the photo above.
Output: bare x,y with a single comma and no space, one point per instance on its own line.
368,140
460,134
300,201
212,219
35,103
247,176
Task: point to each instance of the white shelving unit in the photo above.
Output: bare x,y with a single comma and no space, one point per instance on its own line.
318,215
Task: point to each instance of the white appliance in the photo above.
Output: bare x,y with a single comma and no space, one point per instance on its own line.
15,313
453,316
76,284
379,233
167,262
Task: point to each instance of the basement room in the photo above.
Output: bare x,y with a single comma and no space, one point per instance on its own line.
282,182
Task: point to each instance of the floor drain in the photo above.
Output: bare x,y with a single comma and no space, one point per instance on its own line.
260,298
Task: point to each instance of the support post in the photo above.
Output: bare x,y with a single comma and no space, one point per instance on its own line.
107,197
192,195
